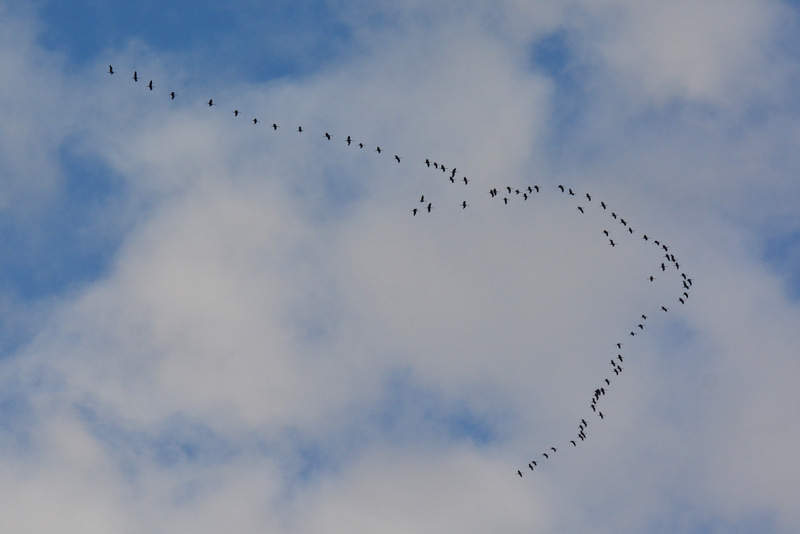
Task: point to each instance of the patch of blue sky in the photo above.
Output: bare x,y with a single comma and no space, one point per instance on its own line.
408,405
689,519
65,245
553,57
782,254
170,444
248,41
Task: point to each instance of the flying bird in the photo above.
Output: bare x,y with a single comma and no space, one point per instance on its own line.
561,187
464,205
135,77
150,85
348,140
378,150
397,158
210,102
299,128
235,112
328,136
255,120
110,69
274,126
172,95
580,209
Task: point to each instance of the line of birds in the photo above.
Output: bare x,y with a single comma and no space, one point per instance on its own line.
507,194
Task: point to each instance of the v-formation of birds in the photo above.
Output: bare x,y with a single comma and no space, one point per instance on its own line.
509,194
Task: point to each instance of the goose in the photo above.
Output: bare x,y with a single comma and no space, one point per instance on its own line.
464,205
428,162
327,136
235,112
110,69
135,77
378,150
172,95
150,85
580,209
210,102
274,127
561,187
255,120
348,140
397,158
602,204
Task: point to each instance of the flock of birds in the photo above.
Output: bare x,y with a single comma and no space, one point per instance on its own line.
508,194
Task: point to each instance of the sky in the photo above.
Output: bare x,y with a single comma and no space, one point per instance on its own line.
208,324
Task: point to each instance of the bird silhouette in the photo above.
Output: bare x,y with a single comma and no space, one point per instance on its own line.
580,209
348,140
135,77
561,187
210,102
464,205
328,136
378,150
428,163
299,128
150,85
274,126
255,120
110,69
235,112
172,95
397,158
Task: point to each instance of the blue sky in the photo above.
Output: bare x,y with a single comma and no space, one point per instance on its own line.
210,325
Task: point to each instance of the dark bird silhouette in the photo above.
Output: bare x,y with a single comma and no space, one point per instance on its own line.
519,472
464,205
235,112
414,211
681,301
505,200
561,187
605,232
663,308
465,180
525,196
630,230
135,76
435,165
150,85
360,145
571,193
644,237
509,189
453,173
652,278
603,204
580,209
589,197
452,180
299,128
553,449
255,120
378,149
428,162
327,136
444,169
430,207
530,189
573,443
623,222
644,317
530,466
110,69
611,242
348,140
584,422
641,326
619,345
274,126
422,198
545,455
397,158
172,95
536,187
608,382
600,414
210,102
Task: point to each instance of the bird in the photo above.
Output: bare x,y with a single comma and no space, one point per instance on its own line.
235,112
605,232
378,150
150,85
525,196
430,207
172,95
328,136
397,158
608,382
580,209
299,128
110,69
641,326
545,455
589,197
600,414
135,77
531,466
505,200
530,189
652,278
464,205
274,126
571,193
612,243
603,204
573,443
465,180
509,189
663,308
453,172
644,317
348,140
619,345
553,449
613,214
414,211
210,102
519,472
360,145
428,162
534,463
644,237
422,198
561,187
255,120
536,187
